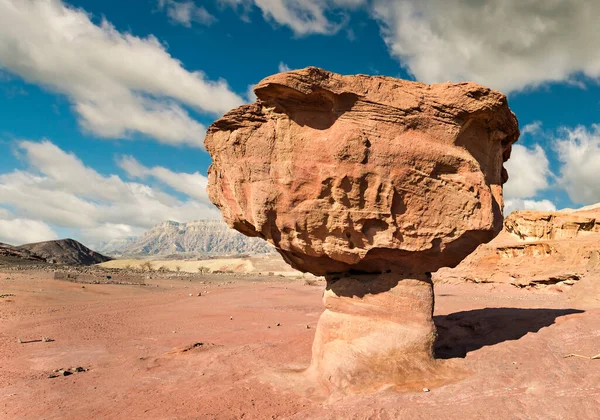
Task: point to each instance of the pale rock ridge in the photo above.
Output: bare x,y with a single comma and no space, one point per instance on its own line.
195,238
116,246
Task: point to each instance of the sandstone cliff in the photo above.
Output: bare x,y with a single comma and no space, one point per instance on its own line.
559,250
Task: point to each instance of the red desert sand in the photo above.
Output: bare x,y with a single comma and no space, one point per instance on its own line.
157,353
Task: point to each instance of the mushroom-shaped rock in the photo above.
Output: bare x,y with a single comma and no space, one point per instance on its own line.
372,182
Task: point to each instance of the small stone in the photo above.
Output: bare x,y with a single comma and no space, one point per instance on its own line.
308,327
53,375
173,332
64,373
199,294
425,389
79,369
231,318
19,341
83,287
278,325
190,294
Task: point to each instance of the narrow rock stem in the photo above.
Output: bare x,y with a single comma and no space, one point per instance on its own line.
377,331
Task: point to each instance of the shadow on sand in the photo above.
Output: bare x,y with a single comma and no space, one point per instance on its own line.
462,332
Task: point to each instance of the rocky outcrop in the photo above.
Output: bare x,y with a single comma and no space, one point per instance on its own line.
372,182
363,173
192,239
65,251
13,254
555,250
535,225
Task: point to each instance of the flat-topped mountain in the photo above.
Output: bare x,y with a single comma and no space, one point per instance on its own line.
196,238
64,251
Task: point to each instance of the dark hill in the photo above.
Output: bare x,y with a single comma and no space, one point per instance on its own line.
65,251
13,254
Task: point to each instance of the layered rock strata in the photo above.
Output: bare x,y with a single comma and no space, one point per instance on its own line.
557,251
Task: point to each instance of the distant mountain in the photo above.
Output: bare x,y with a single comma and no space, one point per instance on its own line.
197,238
116,246
65,251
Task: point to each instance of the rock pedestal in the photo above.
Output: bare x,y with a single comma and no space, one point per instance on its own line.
365,180
376,331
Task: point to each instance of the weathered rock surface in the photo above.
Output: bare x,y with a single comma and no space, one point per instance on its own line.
372,182
363,173
555,250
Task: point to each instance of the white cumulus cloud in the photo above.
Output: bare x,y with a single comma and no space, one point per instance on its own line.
579,154
119,84
514,204
186,12
250,95
193,185
303,17
21,231
508,45
528,171
283,67
60,190
531,129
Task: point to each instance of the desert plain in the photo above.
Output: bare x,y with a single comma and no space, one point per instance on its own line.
160,351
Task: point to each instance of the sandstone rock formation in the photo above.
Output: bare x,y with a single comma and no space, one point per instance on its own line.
535,225
373,182
556,250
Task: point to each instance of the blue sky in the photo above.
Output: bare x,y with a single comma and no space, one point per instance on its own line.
103,104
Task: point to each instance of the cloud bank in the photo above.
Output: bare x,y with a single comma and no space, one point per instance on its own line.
119,84
60,190
509,45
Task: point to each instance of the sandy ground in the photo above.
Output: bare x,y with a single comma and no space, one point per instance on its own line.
259,265
505,346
